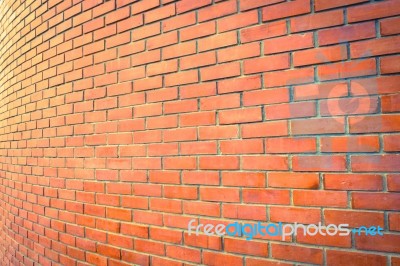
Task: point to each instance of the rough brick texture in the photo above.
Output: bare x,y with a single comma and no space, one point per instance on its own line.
122,120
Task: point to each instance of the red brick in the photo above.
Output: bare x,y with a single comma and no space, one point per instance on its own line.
266,129
245,247
387,242
213,258
162,261
162,95
389,64
131,74
179,134
354,218
394,219
179,50
242,146
353,181
201,208
162,40
105,32
317,21
159,13
203,241
239,84
375,163
108,251
268,96
290,110
206,178
250,4
319,163
266,64
118,64
198,60
166,205
180,78
320,198
375,47
217,41
265,196
219,132
187,5
320,55
181,106
151,247
220,102
237,21
197,119
146,31
245,212
148,83
347,69
391,142
257,261
347,33
337,257
130,23
247,179
162,122
217,10
326,4
301,254
288,43
147,190
386,123
95,258
168,177
180,192
183,253
375,201
142,6
201,147
180,163
266,31
240,115
388,26
324,240
146,163
393,182
219,162
239,52
295,215
293,180
317,126
349,106
289,77
179,21
290,145
370,86
134,48
206,29
350,144
133,257
283,10
372,11
166,235
93,25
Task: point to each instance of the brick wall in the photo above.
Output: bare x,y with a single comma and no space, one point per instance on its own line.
122,120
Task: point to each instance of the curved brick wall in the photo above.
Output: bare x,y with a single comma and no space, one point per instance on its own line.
122,120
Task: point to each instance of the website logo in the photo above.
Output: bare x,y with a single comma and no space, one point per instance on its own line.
249,231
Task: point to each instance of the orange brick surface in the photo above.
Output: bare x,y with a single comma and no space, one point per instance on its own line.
122,120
